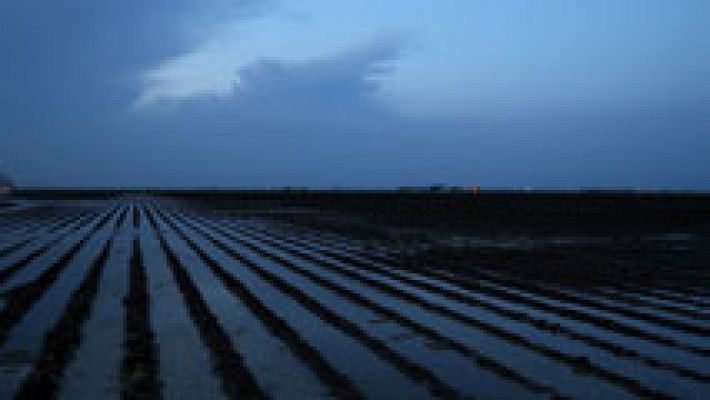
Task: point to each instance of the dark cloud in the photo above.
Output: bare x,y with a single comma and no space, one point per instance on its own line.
70,55
326,81
321,123
69,75
339,91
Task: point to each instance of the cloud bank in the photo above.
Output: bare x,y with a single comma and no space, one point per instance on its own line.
98,94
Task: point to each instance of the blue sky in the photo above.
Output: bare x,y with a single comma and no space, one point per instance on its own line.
504,93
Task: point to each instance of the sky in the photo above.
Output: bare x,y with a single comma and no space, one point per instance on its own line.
356,94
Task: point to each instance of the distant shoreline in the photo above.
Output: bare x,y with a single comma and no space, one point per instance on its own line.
540,211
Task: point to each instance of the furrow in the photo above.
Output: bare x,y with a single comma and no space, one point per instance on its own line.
21,298
603,297
95,371
63,339
548,325
389,256
347,360
498,288
432,334
139,370
415,372
574,362
24,339
6,272
237,380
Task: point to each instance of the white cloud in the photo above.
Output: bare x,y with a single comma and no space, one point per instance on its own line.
217,68
194,74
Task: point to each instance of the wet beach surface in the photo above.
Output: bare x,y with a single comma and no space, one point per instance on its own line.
137,296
